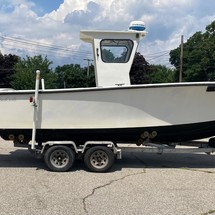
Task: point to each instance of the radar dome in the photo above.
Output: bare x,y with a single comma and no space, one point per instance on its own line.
137,26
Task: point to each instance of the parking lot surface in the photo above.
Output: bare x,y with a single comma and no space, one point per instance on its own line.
140,183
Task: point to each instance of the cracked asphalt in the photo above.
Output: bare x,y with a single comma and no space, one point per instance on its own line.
140,183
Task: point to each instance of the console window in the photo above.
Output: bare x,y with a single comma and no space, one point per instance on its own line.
116,51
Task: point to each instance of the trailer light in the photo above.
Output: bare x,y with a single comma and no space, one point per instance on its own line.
31,99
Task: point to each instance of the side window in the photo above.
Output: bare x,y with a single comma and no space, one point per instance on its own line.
116,51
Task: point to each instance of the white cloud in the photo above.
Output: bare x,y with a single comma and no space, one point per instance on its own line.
67,7
83,17
166,21
172,3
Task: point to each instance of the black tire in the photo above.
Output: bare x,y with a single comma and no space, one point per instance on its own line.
99,159
59,158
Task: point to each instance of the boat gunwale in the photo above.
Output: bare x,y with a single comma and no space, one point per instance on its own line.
68,90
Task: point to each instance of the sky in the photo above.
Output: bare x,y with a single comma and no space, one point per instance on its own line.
46,6
51,28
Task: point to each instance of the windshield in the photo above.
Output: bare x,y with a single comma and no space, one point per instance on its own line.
116,51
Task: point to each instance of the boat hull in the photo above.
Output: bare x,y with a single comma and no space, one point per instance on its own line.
167,112
165,134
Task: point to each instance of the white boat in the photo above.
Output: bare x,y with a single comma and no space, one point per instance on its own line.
115,110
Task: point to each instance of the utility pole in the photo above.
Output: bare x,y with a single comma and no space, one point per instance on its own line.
181,59
88,66
88,70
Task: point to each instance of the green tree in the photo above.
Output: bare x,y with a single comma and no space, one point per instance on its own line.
73,76
198,57
24,76
7,63
140,70
161,74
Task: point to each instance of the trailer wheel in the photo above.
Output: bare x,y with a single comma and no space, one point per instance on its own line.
59,158
99,159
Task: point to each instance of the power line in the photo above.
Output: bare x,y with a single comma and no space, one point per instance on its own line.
36,50
157,53
42,45
155,57
60,49
36,47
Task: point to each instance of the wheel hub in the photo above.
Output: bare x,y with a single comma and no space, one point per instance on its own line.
59,158
99,159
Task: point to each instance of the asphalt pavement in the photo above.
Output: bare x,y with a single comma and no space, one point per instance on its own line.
140,183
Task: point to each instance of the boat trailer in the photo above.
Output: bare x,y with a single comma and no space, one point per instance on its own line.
98,156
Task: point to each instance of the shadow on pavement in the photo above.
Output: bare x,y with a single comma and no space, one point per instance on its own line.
153,160
21,158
